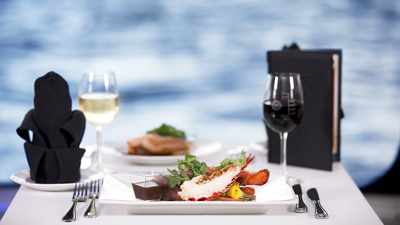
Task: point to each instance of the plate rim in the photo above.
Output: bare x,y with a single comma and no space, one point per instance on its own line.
158,159
181,203
44,187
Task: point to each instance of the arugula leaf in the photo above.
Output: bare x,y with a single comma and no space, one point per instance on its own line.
203,168
166,130
175,179
190,158
238,161
181,165
241,160
190,163
225,162
186,177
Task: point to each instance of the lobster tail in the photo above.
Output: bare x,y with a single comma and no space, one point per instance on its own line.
197,190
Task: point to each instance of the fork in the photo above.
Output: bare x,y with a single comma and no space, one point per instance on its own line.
79,195
94,192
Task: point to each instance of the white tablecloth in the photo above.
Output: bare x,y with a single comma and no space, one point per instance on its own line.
339,195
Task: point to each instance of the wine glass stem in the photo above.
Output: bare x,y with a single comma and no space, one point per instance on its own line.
283,137
99,130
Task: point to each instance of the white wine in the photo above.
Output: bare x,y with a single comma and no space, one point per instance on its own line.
99,108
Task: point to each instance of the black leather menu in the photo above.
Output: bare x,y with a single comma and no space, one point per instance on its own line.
315,143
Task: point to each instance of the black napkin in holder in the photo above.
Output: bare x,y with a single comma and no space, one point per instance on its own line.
53,151
315,143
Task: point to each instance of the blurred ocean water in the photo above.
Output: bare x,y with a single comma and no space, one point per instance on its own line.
201,65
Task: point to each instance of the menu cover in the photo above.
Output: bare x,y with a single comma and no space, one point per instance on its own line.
315,143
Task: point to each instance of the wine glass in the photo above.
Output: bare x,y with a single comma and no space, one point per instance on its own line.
99,102
283,106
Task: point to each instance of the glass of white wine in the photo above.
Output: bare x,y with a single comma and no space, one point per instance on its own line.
99,101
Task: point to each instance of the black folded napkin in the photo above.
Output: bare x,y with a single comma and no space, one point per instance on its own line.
53,153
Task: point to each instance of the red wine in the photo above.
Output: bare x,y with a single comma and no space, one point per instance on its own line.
283,115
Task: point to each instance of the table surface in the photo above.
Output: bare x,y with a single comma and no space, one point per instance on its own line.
339,195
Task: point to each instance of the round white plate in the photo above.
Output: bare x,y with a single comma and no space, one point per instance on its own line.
201,148
24,178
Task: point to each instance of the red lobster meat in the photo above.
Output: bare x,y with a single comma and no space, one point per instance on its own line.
253,178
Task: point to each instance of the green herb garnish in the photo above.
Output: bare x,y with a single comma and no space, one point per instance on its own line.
175,179
193,165
190,163
237,162
166,130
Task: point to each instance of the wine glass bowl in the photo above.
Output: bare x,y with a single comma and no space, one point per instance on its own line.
283,106
99,108
99,102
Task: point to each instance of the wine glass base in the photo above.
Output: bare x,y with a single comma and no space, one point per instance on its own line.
293,180
103,170
91,160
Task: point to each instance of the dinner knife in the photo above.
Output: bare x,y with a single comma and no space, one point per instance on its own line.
300,205
320,212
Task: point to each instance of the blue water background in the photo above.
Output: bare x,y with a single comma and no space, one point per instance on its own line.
202,65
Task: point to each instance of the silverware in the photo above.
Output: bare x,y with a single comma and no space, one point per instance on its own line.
300,205
320,212
79,195
94,192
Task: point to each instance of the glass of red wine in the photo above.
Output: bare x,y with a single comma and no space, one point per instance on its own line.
283,106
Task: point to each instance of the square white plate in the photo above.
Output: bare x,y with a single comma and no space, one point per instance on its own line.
117,190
